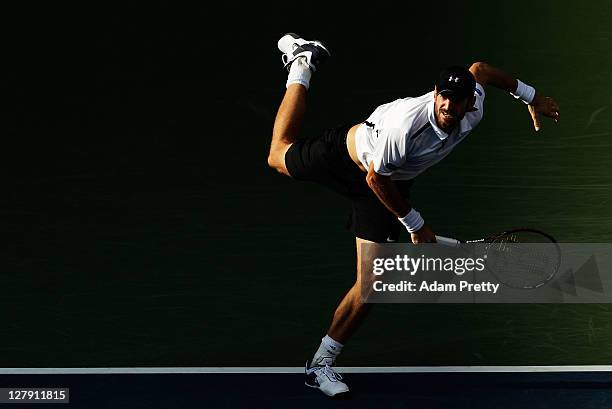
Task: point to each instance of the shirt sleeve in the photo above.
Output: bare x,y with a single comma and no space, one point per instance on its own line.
474,117
479,93
389,151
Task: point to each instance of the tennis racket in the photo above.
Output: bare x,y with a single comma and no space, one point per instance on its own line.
519,258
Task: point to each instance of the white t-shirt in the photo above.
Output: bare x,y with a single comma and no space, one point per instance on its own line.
402,138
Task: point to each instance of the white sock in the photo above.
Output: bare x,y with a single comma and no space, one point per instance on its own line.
327,352
299,73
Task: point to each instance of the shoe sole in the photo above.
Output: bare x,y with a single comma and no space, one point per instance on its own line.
339,396
289,37
298,37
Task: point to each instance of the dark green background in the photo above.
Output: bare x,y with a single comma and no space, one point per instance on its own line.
142,226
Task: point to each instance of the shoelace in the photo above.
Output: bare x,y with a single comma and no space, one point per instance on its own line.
331,374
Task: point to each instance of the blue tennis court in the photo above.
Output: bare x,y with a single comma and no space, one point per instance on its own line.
450,387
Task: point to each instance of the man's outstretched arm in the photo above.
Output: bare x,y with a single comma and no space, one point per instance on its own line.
486,74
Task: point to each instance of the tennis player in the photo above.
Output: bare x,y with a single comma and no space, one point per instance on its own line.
374,162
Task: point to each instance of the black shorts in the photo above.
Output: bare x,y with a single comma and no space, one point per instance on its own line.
325,160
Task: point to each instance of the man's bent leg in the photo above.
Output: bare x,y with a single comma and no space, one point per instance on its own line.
302,58
287,125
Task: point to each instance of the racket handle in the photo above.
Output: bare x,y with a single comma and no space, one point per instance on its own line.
447,241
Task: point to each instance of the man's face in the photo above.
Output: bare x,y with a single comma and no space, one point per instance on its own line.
450,111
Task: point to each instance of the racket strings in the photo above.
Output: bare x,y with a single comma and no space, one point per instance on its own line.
523,260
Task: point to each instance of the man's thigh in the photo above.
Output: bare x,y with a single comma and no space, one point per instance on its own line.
324,160
371,220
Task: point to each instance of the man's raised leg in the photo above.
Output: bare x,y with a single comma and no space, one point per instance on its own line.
287,125
301,57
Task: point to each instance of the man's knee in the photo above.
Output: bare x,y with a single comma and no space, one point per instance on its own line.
276,160
272,161
275,163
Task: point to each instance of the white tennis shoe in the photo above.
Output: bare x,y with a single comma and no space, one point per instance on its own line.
326,380
293,46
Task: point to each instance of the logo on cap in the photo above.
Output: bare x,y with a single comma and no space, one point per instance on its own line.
454,79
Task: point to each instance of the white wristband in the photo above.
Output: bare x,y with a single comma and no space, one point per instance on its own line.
524,92
413,221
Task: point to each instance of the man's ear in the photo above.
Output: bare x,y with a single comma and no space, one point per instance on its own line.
471,104
435,91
